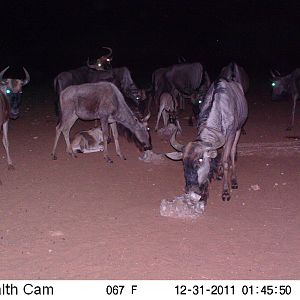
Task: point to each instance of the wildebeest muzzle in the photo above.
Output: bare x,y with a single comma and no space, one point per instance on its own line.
15,102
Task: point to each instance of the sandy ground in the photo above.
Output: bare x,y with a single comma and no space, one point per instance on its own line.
85,219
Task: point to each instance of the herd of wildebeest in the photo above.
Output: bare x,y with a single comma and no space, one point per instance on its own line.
111,98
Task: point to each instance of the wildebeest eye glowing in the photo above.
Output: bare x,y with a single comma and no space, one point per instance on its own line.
273,84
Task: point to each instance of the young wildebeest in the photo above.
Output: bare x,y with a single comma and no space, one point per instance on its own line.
222,116
288,85
102,101
168,110
88,141
4,118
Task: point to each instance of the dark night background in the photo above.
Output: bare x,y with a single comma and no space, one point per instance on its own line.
48,37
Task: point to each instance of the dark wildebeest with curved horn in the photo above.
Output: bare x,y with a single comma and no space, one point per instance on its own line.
99,101
4,118
102,63
288,85
12,88
222,116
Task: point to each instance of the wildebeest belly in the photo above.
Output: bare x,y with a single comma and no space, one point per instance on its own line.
87,109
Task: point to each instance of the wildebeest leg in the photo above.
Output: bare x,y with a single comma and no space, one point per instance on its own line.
6,145
114,130
293,113
165,116
234,184
178,125
116,136
104,126
226,169
161,109
66,132
63,126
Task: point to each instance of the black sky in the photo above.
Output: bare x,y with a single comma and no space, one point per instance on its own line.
51,36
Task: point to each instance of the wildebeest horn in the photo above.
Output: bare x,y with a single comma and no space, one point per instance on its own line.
2,73
27,79
89,65
145,119
177,146
110,51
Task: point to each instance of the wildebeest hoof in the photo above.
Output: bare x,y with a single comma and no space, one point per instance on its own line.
107,159
54,157
226,196
219,177
11,167
234,184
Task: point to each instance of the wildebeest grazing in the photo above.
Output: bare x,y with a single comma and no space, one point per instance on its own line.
222,116
121,77
288,85
4,118
168,111
236,73
88,141
102,101
12,88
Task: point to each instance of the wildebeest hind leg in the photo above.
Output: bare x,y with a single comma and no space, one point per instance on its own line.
104,126
234,183
66,132
116,136
6,145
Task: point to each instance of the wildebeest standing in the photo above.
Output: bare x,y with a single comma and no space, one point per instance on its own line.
236,73
4,118
168,111
222,116
288,85
102,101
178,80
12,88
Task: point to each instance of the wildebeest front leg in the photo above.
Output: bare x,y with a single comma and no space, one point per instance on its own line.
158,116
104,126
293,113
225,163
116,139
6,145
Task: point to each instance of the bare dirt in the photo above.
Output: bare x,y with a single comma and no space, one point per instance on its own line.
86,219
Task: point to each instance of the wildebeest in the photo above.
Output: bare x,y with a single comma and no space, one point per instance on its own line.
4,118
12,88
288,85
220,121
178,80
197,98
236,73
88,141
102,63
168,111
99,101
121,77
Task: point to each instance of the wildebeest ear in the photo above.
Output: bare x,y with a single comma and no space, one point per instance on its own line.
212,153
174,155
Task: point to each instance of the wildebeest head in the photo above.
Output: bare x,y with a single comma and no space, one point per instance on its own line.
102,63
279,85
13,90
142,132
197,157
